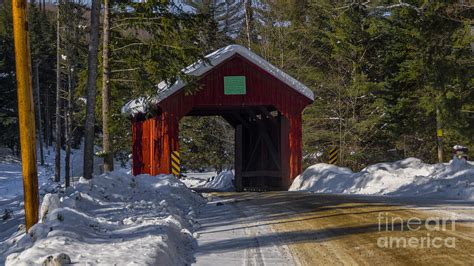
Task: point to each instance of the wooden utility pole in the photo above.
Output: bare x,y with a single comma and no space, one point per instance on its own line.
26,113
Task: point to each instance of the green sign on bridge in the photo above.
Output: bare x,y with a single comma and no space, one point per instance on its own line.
234,85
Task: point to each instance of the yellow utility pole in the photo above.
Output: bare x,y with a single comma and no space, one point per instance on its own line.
25,112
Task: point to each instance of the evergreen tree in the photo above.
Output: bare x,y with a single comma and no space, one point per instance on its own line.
151,44
9,135
201,150
73,57
433,82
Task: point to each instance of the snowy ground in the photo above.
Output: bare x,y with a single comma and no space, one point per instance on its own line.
113,219
409,177
11,186
229,235
253,228
121,219
11,195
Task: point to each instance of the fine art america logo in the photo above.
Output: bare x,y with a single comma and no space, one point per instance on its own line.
430,239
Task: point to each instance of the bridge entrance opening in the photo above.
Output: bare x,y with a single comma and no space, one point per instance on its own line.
257,151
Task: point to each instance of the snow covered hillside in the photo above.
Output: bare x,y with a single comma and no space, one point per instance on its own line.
409,177
114,218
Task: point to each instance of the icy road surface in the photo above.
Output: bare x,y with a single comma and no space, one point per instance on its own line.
300,228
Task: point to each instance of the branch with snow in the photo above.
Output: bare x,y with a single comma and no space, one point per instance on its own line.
394,6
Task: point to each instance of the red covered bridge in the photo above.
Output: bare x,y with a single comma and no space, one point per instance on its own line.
260,101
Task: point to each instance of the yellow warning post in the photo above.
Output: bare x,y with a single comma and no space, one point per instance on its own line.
333,155
175,163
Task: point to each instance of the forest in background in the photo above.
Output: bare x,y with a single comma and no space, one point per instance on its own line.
388,76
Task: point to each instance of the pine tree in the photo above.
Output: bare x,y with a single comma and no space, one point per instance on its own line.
329,49
73,49
227,19
433,79
229,16
202,149
8,102
154,43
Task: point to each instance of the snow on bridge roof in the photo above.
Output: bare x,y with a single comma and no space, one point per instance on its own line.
201,67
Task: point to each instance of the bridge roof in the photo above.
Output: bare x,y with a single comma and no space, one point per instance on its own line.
201,67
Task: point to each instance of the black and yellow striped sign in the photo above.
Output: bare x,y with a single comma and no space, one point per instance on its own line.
175,162
333,155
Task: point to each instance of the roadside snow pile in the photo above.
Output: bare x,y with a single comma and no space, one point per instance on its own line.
409,177
11,198
198,179
11,188
113,219
224,181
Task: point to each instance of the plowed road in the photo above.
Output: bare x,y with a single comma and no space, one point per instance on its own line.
289,228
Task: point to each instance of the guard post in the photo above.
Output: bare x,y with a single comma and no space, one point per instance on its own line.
333,155
175,163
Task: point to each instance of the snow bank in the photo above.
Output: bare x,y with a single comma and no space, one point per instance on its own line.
11,198
113,219
224,181
11,187
196,180
409,177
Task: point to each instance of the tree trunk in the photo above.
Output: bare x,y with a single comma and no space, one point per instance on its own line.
91,90
57,159
68,125
106,142
439,133
38,107
339,104
47,119
248,9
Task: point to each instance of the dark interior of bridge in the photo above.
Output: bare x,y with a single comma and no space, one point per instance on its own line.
257,161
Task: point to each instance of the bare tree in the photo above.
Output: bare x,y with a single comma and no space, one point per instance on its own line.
248,18
68,126
106,141
91,90
38,112
47,119
57,159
